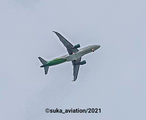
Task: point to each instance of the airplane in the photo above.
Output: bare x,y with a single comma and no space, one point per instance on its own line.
74,55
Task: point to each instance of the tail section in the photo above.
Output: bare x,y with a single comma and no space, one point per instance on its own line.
46,69
44,62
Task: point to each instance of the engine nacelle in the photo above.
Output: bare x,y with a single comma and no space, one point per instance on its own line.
83,62
76,46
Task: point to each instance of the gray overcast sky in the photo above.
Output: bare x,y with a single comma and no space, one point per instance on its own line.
113,79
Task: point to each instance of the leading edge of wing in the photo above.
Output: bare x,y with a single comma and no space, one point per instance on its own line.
66,43
76,67
63,40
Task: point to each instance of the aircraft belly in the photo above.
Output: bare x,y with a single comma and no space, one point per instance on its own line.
73,56
83,52
77,55
56,61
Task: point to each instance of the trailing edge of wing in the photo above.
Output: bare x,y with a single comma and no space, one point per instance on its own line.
66,43
63,40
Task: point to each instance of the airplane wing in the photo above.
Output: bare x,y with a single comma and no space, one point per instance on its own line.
70,50
76,66
66,43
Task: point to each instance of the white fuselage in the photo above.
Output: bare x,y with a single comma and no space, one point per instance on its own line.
81,52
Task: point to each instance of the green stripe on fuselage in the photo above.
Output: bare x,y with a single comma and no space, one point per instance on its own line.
55,61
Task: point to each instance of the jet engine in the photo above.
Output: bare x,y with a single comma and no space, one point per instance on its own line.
76,46
83,62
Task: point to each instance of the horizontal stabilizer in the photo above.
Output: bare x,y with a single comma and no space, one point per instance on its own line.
46,69
42,60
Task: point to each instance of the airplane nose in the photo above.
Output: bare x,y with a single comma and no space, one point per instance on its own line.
97,46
